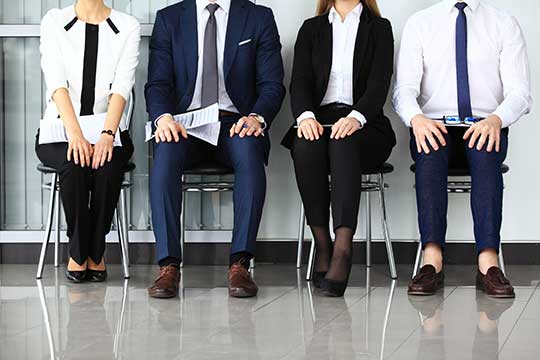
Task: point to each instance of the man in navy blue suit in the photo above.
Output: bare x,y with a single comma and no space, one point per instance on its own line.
204,52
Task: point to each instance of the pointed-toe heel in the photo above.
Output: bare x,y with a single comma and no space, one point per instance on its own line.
75,276
96,275
332,288
318,277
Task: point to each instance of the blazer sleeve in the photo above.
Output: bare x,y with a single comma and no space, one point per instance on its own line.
124,76
159,89
302,78
52,61
269,71
378,84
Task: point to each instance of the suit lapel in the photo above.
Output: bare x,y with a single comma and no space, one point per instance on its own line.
326,44
190,40
362,39
237,20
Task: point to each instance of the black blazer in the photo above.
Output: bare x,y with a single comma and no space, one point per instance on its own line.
372,70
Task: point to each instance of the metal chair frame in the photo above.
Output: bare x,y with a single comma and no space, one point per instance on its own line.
368,186
201,187
454,187
121,213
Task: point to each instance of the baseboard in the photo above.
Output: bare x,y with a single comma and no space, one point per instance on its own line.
273,252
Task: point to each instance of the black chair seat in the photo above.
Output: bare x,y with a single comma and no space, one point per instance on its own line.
209,169
464,172
49,170
386,168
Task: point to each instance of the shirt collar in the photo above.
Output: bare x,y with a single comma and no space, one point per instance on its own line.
223,4
355,13
451,4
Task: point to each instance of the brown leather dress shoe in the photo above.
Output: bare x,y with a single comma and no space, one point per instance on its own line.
240,283
426,282
166,284
495,284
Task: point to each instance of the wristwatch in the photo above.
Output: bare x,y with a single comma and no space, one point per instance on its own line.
260,119
108,132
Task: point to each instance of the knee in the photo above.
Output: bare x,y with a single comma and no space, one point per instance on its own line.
70,170
248,152
306,149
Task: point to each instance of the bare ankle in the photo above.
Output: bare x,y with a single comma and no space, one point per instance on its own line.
487,259
433,256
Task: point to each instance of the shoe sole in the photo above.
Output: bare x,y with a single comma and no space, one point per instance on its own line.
162,296
503,296
425,293
241,293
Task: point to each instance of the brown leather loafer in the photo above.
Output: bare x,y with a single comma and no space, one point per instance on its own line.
166,284
426,282
240,283
495,284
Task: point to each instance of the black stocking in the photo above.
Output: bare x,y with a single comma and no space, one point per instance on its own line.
323,245
340,266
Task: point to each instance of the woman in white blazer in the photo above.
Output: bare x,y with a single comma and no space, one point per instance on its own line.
89,54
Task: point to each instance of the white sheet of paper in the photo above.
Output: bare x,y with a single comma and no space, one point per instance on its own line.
53,131
203,124
93,125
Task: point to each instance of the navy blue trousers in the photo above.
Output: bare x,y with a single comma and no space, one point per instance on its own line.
245,155
486,192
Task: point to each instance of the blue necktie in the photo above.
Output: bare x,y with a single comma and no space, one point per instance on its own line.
463,90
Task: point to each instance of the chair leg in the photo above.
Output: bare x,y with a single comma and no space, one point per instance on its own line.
48,229
311,261
123,250
125,223
388,241
418,259
368,226
252,263
182,226
301,232
57,228
501,260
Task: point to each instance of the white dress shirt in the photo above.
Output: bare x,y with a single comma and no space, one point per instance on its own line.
340,85
63,55
498,65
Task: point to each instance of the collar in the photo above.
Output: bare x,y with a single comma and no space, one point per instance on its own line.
223,4
451,4
355,13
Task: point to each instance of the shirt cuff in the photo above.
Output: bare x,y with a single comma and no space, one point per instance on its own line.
261,120
305,115
506,116
409,113
358,116
159,118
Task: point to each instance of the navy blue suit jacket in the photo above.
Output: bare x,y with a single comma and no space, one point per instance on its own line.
253,72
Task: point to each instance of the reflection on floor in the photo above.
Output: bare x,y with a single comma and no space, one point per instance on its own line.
52,319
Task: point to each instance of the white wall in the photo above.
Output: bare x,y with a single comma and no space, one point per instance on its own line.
522,193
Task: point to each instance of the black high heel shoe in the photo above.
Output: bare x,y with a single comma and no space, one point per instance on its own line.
96,275
76,276
335,288
317,278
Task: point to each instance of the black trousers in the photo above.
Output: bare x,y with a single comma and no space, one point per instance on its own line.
89,196
344,160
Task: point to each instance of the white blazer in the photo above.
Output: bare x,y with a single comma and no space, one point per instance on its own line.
91,61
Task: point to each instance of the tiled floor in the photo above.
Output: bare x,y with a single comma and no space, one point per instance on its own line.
53,319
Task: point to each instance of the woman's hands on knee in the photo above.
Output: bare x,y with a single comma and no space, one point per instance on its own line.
80,150
310,129
345,127
103,151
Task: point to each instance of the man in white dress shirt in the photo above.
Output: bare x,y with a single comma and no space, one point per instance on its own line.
462,80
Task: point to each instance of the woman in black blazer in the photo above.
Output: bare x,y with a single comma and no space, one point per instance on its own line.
343,64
